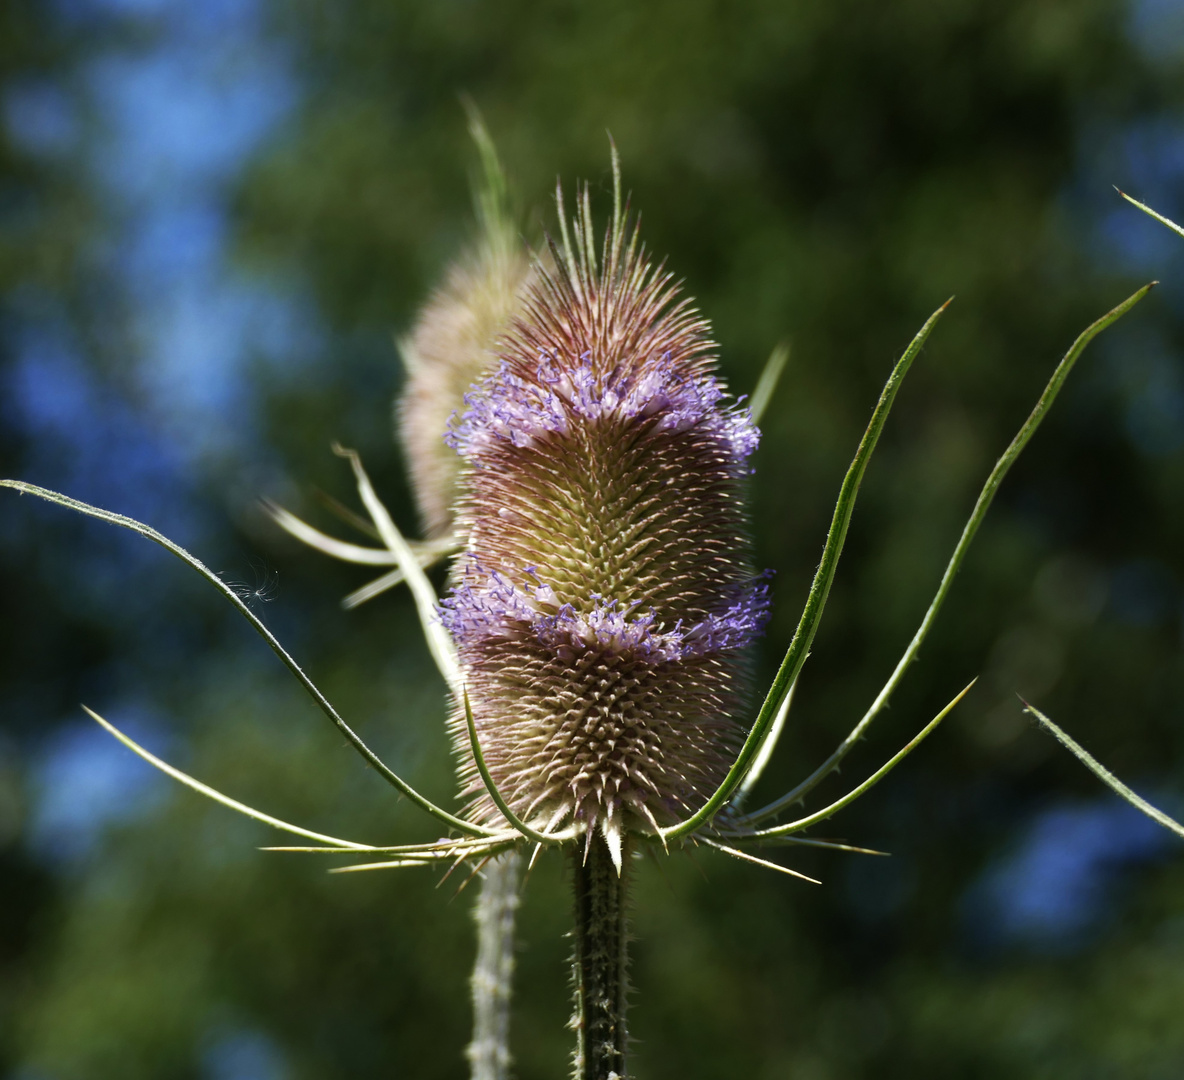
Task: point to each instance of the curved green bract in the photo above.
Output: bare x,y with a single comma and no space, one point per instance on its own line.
799,646
1152,213
329,843
981,506
867,785
310,687
1105,775
438,642
766,385
494,794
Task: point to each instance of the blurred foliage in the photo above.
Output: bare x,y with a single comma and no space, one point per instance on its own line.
824,171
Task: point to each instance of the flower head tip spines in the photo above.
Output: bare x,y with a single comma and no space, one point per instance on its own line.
606,595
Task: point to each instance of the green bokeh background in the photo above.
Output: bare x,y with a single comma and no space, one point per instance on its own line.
823,172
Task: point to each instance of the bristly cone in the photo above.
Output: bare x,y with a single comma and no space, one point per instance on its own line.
606,596
450,348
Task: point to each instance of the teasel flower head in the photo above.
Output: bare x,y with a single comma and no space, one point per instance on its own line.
452,344
606,596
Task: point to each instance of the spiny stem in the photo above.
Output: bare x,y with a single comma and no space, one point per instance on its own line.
600,963
489,1052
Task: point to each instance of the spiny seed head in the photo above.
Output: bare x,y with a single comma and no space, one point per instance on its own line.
606,595
450,348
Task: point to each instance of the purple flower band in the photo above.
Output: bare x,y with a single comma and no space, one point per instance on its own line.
506,408
487,606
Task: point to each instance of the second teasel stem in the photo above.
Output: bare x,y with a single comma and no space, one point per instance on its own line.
600,963
489,1052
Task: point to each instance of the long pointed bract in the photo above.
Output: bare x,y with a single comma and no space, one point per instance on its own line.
218,797
439,643
372,588
1147,210
310,687
491,192
799,646
981,506
427,552
796,841
447,845
1105,775
748,857
869,783
766,751
323,542
766,385
417,861
491,787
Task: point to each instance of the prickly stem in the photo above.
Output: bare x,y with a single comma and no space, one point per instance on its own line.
600,963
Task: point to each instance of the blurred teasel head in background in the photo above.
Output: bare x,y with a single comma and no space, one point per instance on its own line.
453,342
606,594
